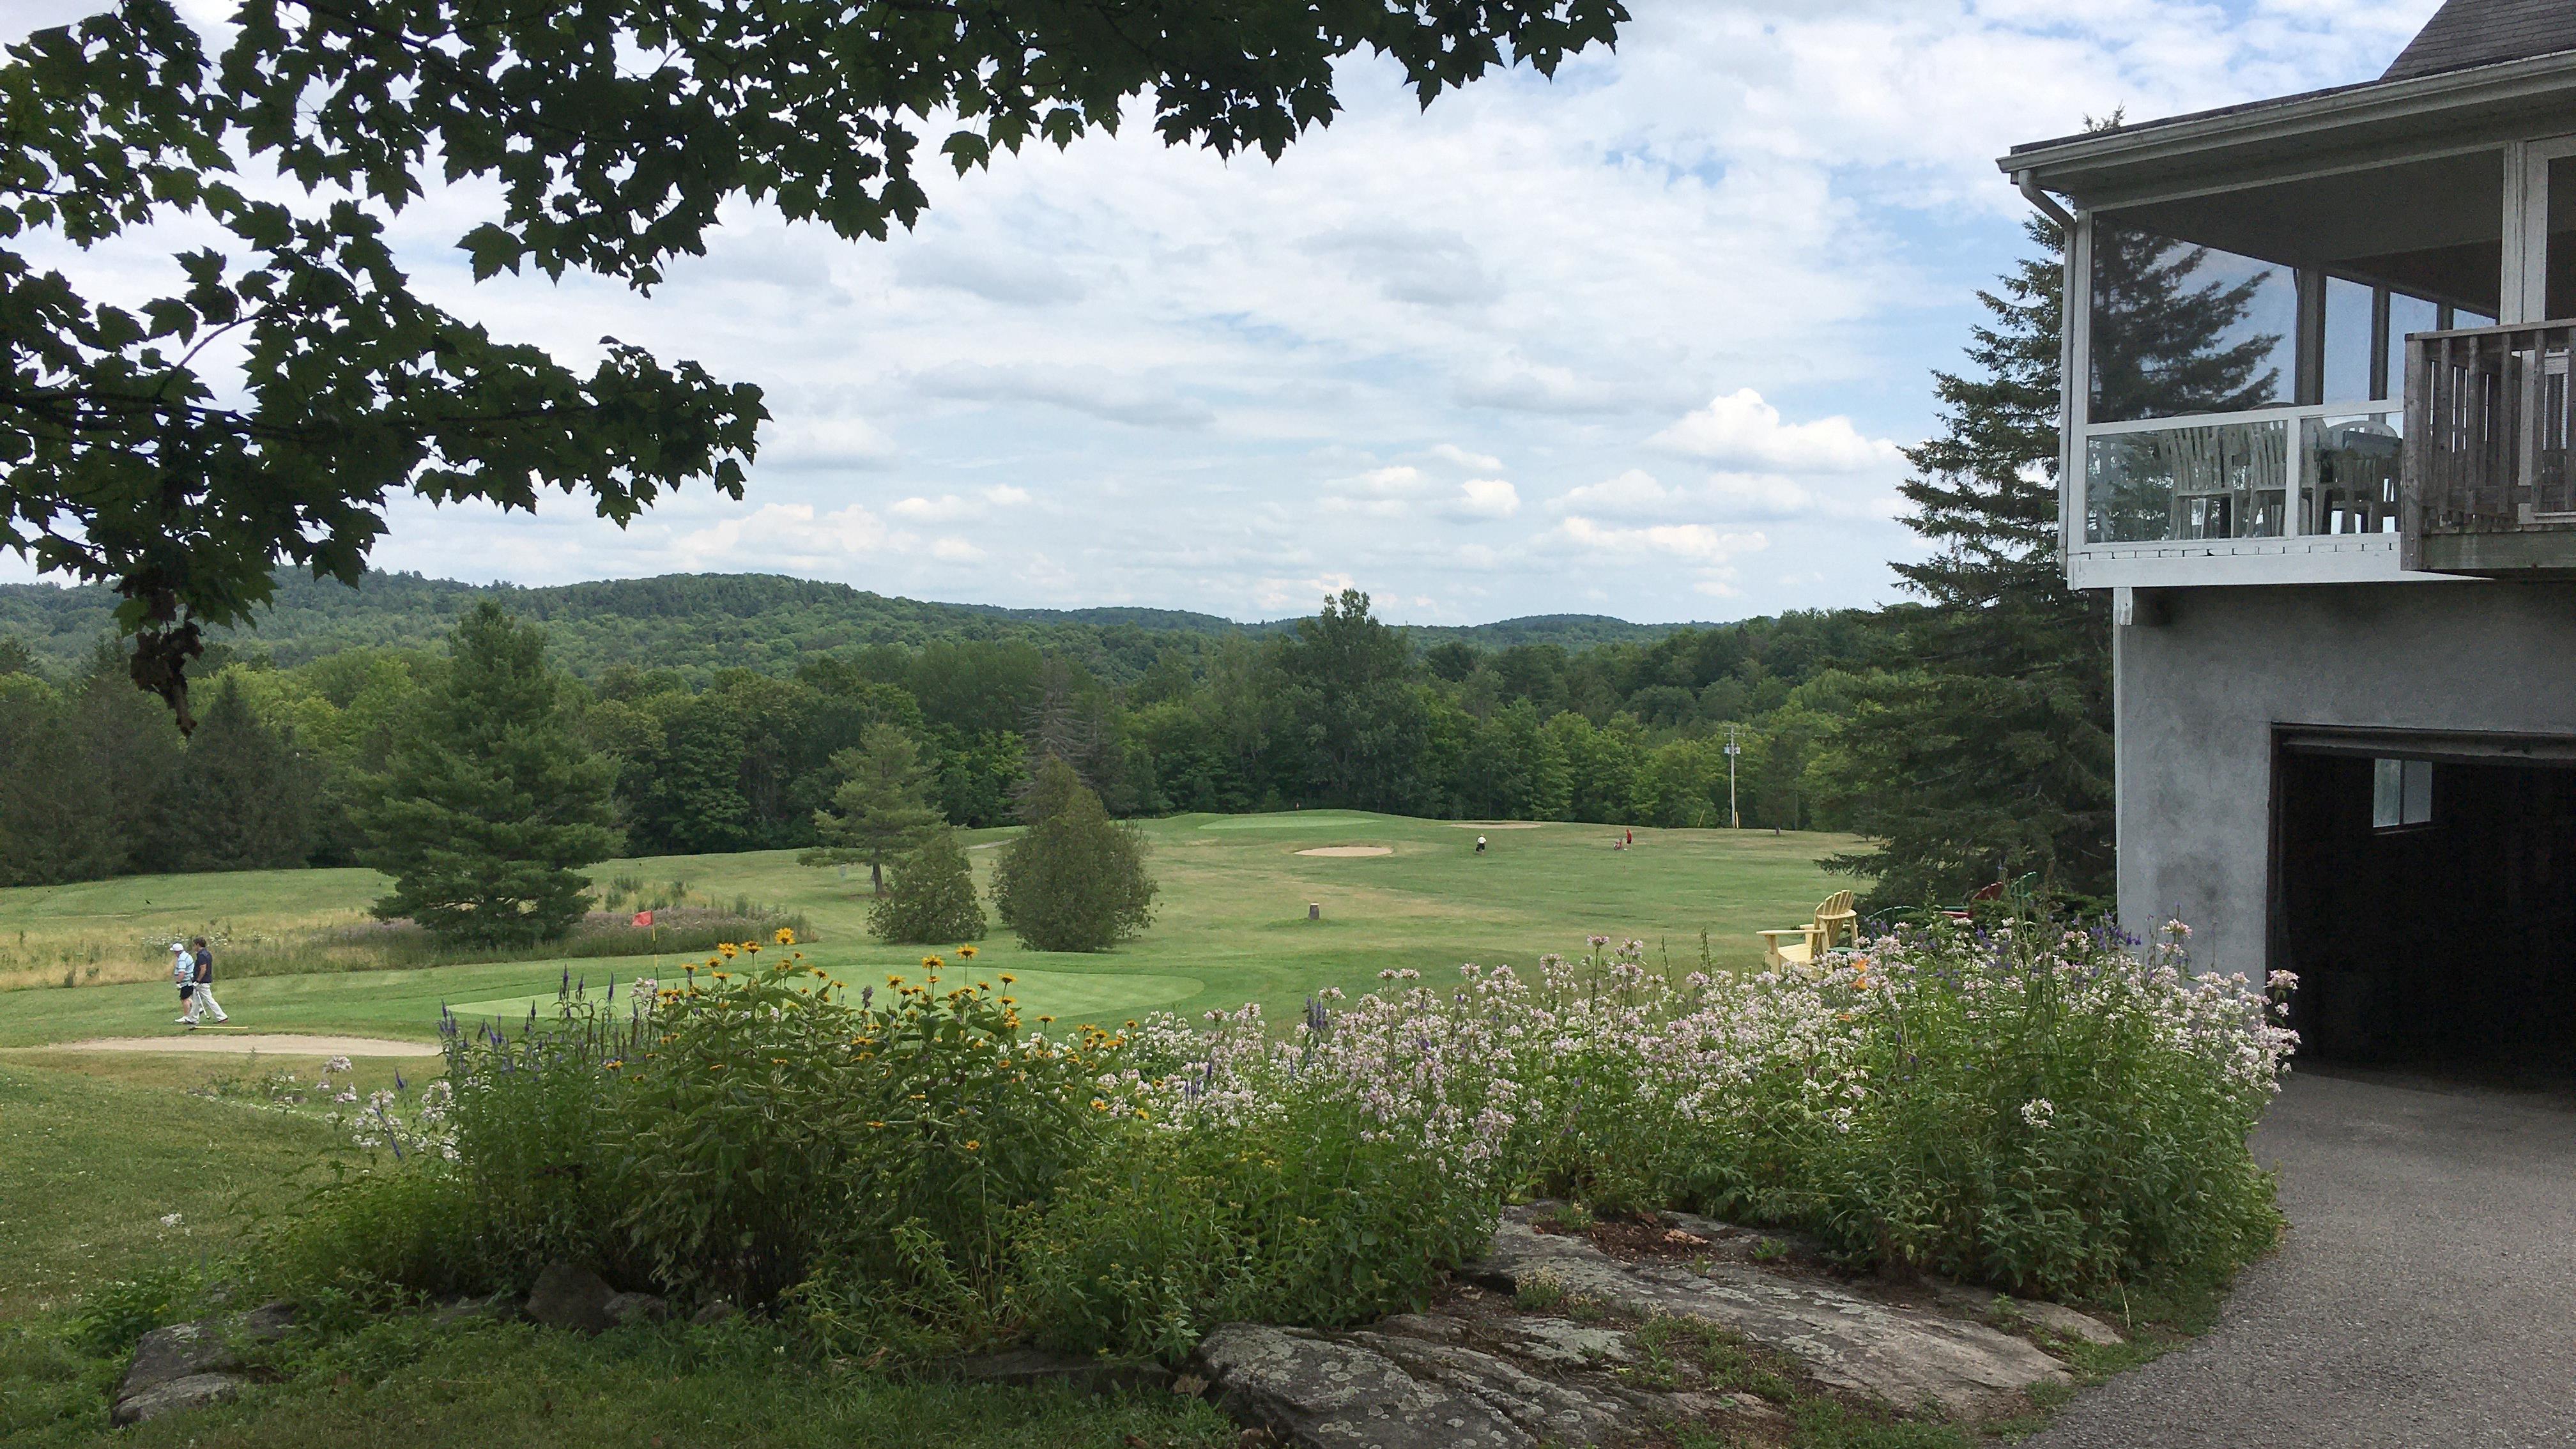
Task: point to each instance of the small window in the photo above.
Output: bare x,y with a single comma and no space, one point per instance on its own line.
2401,793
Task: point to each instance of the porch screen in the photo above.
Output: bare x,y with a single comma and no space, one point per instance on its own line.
2181,329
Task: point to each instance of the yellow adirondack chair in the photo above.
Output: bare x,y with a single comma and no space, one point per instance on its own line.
1836,924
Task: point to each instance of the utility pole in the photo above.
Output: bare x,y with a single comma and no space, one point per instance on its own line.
1734,821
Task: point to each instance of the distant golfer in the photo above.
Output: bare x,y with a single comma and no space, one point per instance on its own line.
183,974
203,978
1480,845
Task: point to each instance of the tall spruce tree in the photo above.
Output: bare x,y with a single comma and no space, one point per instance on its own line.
1984,748
240,798
491,804
881,809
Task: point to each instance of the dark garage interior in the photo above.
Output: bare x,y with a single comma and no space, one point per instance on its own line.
2428,905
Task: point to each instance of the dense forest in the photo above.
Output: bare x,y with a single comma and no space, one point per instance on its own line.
698,624
1178,713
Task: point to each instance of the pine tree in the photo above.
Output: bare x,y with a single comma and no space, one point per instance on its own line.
1987,752
240,798
490,804
1075,880
881,809
932,898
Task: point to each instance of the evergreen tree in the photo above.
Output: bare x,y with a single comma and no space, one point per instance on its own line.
1075,881
490,804
1986,750
15,656
880,810
240,797
932,898
1989,752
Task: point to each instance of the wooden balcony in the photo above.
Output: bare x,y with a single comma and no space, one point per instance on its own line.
2486,486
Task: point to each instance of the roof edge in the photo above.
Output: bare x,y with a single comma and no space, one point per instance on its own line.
2332,104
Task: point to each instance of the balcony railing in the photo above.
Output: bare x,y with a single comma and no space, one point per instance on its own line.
2487,487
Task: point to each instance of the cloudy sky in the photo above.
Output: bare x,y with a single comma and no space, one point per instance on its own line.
1644,341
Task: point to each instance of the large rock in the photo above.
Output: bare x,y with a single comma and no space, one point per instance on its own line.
190,1391
2055,1319
182,1350
626,1308
571,1298
1307,1389
1909,1357
268,1323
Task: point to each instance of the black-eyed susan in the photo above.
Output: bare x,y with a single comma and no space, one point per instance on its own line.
785,936
967,952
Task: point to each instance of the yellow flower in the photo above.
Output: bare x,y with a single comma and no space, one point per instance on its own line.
1047,1020
966,951
1010,1001
894,981
1098,1105
972,1144
876,1124
1008,978
931,963
785,937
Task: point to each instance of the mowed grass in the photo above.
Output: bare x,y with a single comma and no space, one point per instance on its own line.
1232,928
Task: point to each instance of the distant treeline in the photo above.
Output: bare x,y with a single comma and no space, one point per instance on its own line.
701,624
1338,709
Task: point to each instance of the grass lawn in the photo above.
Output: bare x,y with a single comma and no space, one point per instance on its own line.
1233,925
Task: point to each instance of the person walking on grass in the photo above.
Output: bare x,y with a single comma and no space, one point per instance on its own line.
183,974
203,977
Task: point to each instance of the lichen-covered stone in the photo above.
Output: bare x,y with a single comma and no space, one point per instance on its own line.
636,1308
1909,1357
1307,1389
190,1391
179,1351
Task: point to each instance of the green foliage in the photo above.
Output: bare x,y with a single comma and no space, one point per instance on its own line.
776,1128
350,384
1346,698
1075,880
238,798
879,811
933,899
116,1314
490,803
1304,1216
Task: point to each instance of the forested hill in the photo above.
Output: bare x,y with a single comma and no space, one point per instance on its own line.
700,623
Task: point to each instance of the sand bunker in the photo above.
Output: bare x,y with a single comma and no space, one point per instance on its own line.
1346,851
1494,824
274,1043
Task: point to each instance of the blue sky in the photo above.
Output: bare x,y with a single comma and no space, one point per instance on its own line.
1643,341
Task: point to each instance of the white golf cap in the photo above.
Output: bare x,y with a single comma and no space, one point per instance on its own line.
180,947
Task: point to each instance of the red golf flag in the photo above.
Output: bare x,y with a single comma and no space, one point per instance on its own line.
643,918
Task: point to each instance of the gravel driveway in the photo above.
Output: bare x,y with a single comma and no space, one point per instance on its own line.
2426,1294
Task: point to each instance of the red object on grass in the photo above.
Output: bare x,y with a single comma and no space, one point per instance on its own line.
643,918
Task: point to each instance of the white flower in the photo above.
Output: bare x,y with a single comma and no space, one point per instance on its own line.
2038,1112
170,1220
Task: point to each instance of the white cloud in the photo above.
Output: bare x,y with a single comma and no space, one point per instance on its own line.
1115,398
955,550
1740,430
1485,498
1473,462
1696,542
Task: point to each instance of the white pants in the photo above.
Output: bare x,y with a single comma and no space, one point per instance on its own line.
202,1001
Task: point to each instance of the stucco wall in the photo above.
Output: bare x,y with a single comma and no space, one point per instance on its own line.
2199,696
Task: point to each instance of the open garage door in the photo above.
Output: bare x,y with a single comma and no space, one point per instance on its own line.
2424,889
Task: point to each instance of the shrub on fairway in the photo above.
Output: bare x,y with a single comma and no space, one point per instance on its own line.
932,897
1075,881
